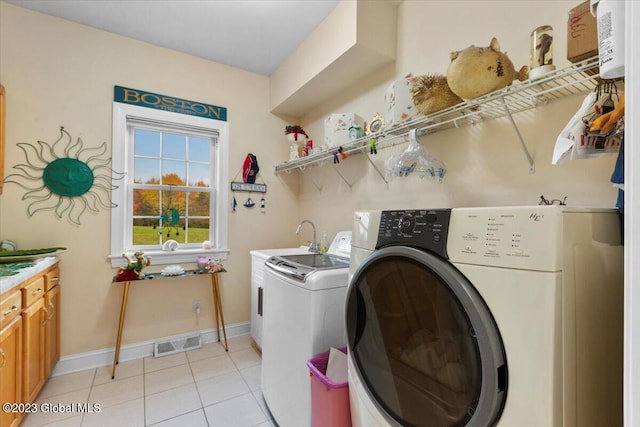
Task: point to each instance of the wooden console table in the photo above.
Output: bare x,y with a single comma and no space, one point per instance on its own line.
217,306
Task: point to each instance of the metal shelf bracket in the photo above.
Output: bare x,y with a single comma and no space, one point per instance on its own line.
342,176
302,169
532,166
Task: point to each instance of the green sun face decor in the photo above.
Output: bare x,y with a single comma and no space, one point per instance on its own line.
68,180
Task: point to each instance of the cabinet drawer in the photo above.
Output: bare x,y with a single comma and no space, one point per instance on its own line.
33,291
10,307
52,278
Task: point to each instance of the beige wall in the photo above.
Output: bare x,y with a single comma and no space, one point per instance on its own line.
486,166
59,73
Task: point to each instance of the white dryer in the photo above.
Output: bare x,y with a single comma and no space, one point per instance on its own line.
486,316
303,316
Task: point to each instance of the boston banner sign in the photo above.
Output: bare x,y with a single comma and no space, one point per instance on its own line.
168,103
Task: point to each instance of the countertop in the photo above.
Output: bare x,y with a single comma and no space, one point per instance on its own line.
41,264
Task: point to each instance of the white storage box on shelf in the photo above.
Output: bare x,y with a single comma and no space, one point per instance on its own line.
336,128
398,101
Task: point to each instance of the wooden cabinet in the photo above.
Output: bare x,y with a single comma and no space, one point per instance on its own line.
52,323
10,356
33,318
29,339
10,368
41,322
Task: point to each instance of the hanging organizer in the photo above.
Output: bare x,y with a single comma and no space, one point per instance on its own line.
250,172
575,79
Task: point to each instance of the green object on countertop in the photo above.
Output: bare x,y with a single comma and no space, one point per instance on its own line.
11,269
30,252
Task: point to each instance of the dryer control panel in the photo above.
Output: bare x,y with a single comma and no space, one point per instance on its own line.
421,228
525,237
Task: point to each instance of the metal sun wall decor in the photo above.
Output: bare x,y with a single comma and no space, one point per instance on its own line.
65,177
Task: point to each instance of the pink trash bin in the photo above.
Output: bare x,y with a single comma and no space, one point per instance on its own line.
329,400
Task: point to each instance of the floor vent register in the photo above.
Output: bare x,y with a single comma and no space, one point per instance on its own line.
166,348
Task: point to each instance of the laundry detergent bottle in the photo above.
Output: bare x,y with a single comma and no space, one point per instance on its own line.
610,18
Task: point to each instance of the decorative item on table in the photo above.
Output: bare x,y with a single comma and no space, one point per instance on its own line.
202,262
476,71
336,129
399,106
133,269
541,52
297,137
172,270
216,265
432,93
208,265
375,125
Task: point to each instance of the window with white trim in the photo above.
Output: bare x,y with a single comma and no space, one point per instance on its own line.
175,185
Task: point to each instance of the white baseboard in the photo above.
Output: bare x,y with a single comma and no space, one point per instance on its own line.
93,359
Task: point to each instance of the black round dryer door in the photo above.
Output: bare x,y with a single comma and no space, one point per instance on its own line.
423,342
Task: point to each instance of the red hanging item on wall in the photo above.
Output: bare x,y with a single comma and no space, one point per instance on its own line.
250,169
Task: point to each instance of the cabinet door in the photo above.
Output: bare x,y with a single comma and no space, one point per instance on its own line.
33,318
10,370
52,330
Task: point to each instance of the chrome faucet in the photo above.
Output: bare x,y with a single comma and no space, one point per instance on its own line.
314,245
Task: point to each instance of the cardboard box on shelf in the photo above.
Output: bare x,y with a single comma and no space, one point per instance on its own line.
582,33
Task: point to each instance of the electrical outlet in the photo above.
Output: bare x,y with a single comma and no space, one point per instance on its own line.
196,306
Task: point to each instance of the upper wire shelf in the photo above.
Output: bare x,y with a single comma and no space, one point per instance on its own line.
575,79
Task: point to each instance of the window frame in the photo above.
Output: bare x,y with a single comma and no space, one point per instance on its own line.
122,195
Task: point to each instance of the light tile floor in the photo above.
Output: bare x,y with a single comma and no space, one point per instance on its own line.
203,387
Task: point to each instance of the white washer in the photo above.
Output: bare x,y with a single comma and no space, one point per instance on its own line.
258,258
303,315
486,316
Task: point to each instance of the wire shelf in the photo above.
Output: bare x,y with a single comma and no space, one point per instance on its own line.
578,78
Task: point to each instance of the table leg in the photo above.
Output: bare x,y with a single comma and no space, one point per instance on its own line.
123,310
217,304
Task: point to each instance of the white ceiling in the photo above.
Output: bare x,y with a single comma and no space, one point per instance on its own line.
254,35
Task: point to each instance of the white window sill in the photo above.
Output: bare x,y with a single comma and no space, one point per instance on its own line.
180,256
